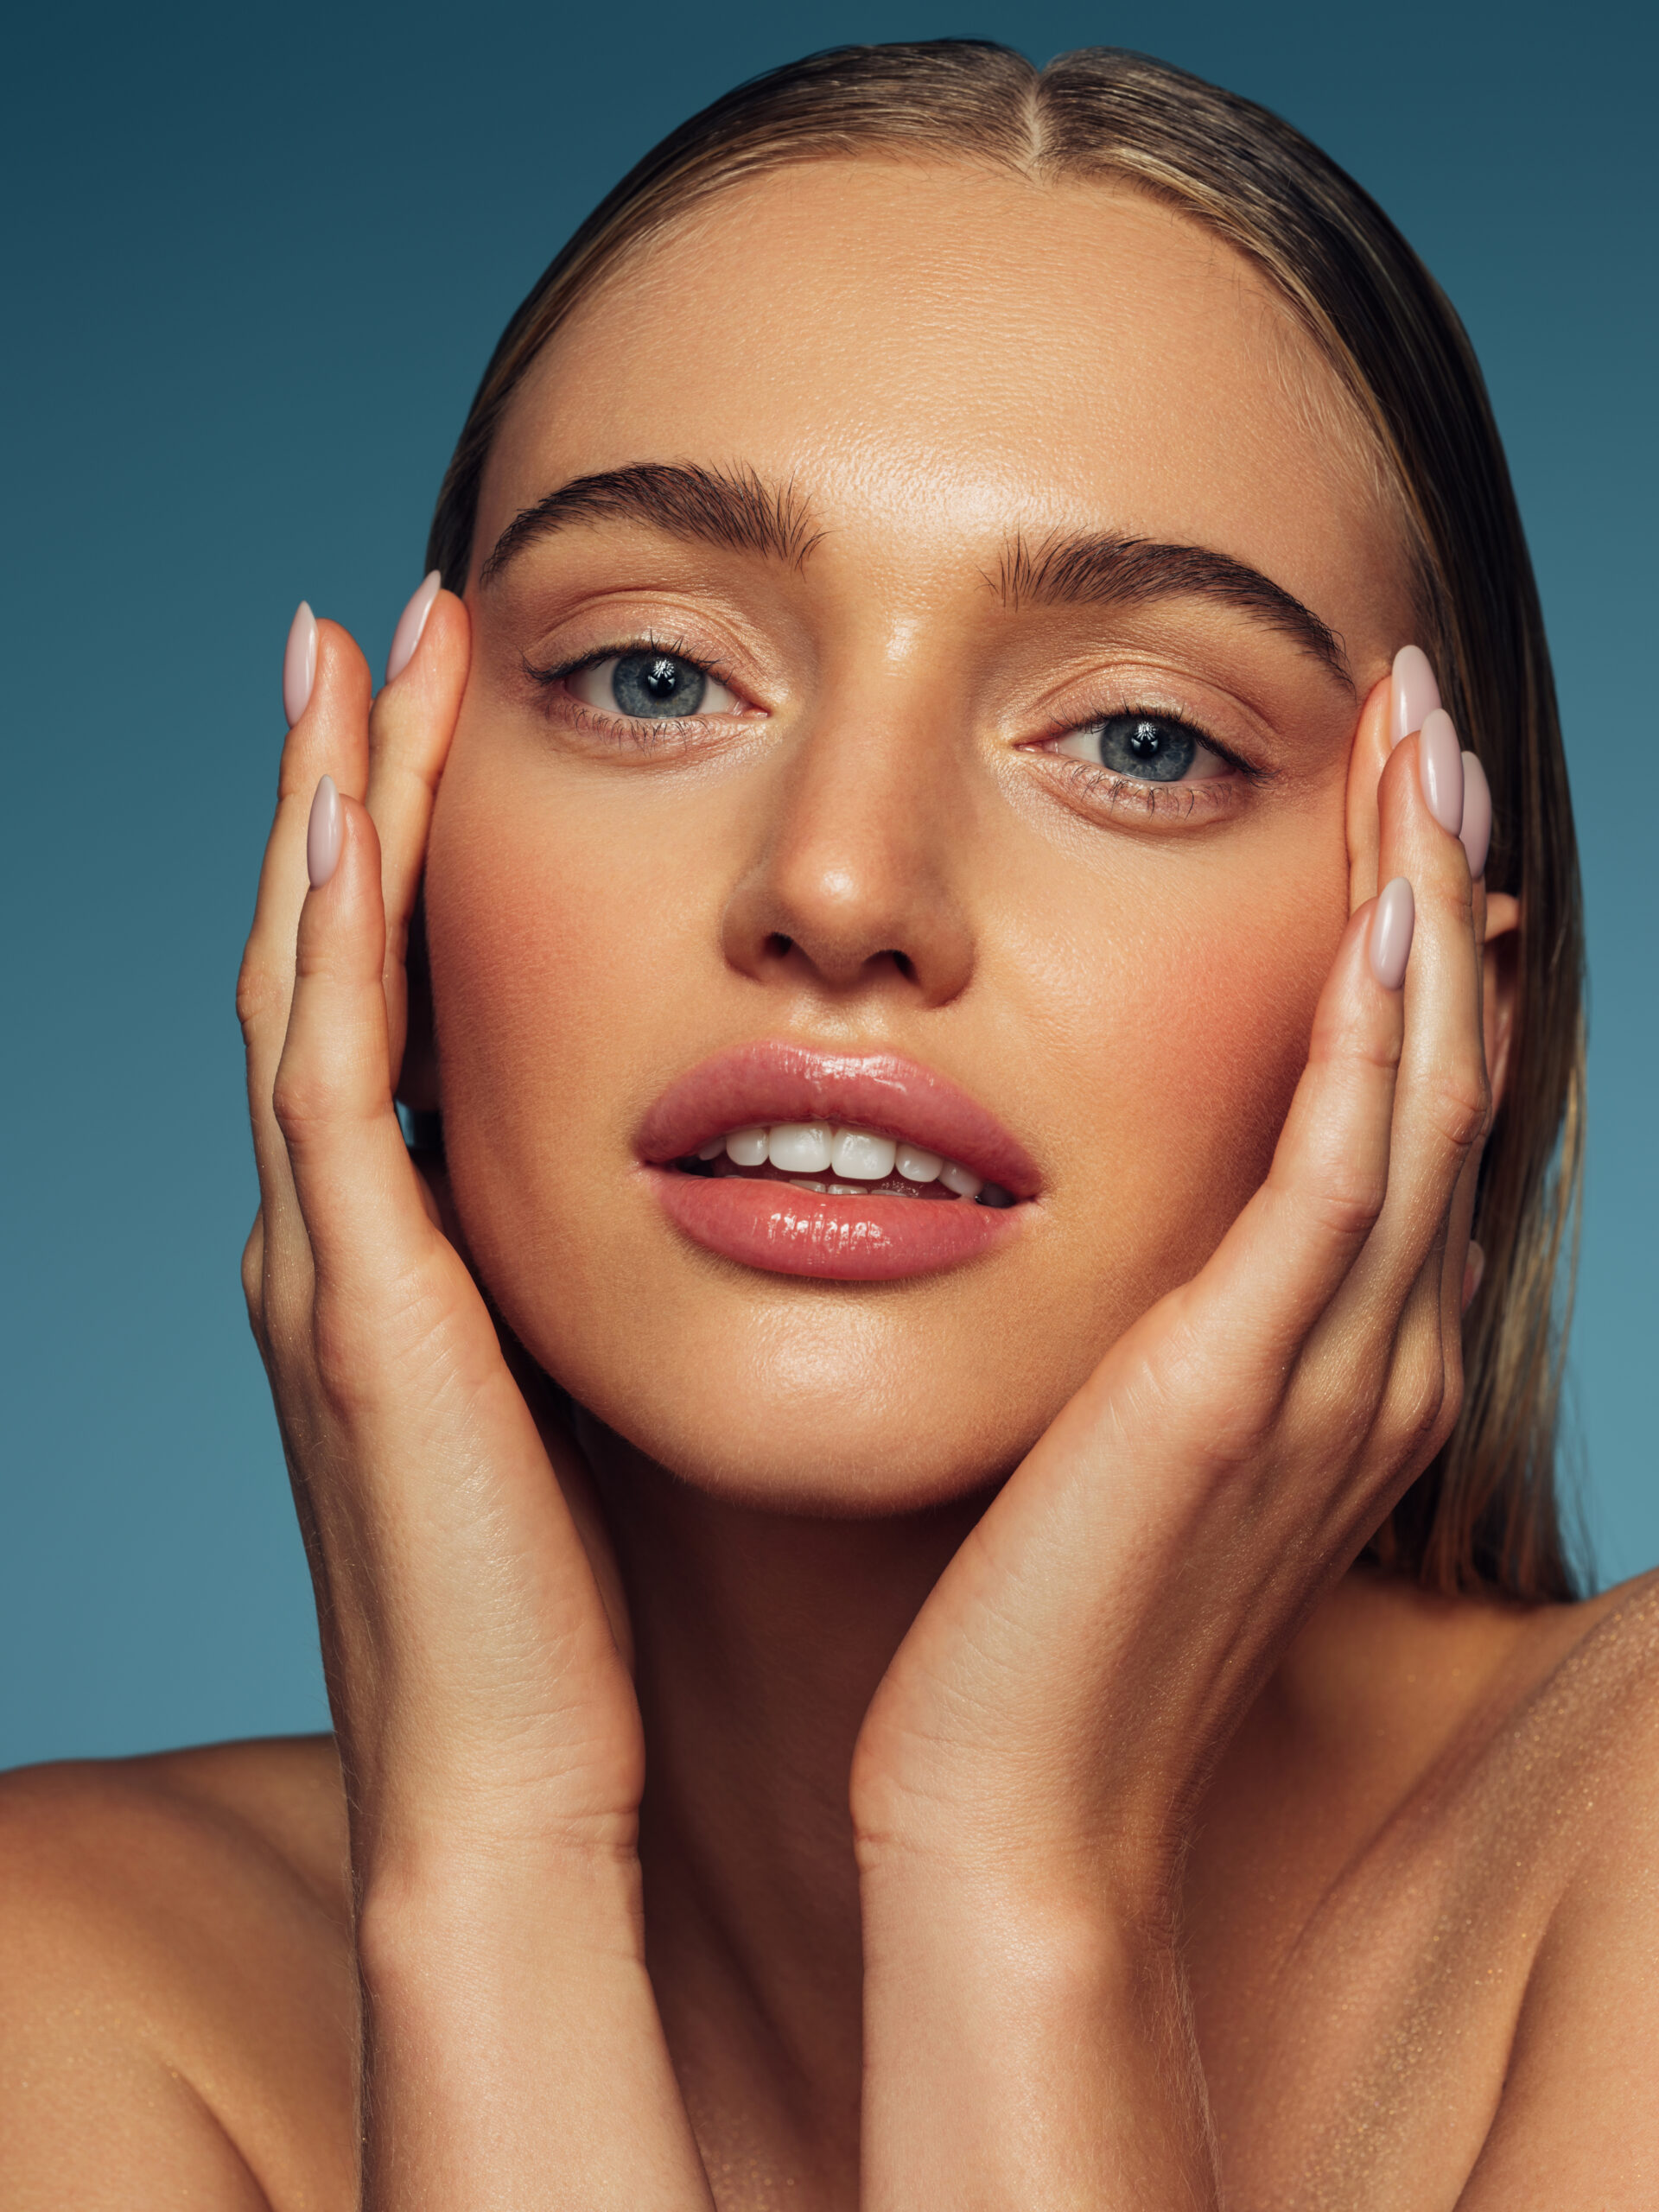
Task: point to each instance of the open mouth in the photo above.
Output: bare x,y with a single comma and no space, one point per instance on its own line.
848,1167
841,1163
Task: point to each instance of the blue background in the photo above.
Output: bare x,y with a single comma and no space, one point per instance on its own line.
257,258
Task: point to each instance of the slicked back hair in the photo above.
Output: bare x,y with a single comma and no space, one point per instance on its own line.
1486,1515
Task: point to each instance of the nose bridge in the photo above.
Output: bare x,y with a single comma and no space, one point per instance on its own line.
857,876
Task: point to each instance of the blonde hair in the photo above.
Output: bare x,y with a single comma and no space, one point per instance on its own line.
1486,1514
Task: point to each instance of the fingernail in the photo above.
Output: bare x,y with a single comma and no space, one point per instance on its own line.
299,664
1392,924
1439,764
322,836
1416,693
1477,830
411,623
1473,1268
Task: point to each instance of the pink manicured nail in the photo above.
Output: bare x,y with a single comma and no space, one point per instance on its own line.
1439,764
1416,693
1473,1268
299,664
322,836
1392,924
1477,830
411,623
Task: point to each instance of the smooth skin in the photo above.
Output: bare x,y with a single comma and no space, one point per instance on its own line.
1042,1811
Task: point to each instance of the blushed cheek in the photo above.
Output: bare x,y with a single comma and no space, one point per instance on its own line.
546,957
1252,1015
1197,1054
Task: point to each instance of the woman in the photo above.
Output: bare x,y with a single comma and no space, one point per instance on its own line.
934,1542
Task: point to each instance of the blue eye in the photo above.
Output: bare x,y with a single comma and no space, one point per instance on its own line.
651,686
1152,748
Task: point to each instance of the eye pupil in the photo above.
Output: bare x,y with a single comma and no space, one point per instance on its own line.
662,679
1146,741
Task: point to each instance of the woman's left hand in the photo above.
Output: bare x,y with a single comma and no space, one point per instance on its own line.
1027,1775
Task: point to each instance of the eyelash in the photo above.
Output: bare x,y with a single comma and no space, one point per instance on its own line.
649,736
1090,783
1099,787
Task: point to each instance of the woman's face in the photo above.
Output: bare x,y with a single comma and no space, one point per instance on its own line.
945,739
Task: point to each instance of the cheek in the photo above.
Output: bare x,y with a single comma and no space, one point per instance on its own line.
1181,1041
552,950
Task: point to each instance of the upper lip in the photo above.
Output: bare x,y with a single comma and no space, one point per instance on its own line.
769,1081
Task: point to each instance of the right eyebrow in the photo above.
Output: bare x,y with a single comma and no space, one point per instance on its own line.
738,510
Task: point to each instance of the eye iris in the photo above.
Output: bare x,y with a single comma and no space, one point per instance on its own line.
657,684
1138,745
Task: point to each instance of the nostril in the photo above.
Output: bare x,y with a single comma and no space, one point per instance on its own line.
903,963
777,945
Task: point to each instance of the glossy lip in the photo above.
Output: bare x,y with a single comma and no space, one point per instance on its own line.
785,1231
755,1085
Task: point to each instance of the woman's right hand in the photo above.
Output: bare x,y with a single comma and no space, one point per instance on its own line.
488,1731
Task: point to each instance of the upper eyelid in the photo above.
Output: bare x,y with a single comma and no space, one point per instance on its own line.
556,672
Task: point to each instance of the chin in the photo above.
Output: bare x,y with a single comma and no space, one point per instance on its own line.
828,1406
782,1395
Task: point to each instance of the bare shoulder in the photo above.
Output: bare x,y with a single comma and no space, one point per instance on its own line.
1455,1997
1532,1734
178,2002
1578,1774
1583,1707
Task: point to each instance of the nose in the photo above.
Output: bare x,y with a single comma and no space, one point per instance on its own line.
861,849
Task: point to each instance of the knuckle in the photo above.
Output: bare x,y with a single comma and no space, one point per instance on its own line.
1348,1202
1418,1398
338,1353
1449,894
259,995
303,1101
253,1276
1460,1103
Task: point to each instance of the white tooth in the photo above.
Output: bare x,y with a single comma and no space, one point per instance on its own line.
962,1180
799,1148
855,1152
917,1165
746,1148
844,1190
821,1188
713,1149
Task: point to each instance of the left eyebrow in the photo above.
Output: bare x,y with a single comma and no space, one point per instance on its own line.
1103,569
737,510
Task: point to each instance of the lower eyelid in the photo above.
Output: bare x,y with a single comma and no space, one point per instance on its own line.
1103,793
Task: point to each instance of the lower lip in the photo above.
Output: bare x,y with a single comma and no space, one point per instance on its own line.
790,1232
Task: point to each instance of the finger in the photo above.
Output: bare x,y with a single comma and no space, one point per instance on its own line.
410,729
1443,1105
330,737
1366,763
1393,1335
357,1190
1397,708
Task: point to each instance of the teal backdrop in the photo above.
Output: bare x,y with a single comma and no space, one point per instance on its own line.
256,257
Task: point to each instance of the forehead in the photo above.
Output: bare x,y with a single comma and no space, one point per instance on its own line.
947,353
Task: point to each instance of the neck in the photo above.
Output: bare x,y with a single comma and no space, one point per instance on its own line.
761,1638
